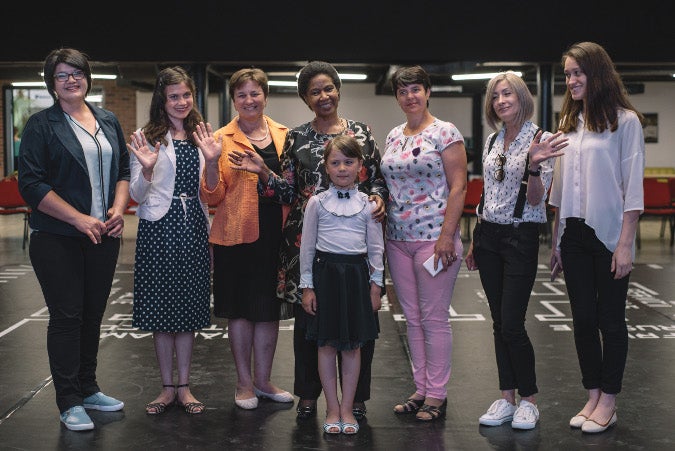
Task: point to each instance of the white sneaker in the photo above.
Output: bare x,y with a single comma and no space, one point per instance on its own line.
499,413
526,416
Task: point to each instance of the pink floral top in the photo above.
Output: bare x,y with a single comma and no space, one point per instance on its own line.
418,189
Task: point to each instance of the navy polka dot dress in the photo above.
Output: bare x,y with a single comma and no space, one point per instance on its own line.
172,286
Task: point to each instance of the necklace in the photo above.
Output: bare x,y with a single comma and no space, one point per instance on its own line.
267,133
342,122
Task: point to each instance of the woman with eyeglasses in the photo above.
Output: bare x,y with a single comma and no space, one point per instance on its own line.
517,170
74,173
598,194
424,165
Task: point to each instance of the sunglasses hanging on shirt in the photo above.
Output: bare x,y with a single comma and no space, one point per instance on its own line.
499,172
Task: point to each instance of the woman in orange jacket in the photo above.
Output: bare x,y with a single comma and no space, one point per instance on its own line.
246,234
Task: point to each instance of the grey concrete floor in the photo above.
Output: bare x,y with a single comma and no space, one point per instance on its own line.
127,369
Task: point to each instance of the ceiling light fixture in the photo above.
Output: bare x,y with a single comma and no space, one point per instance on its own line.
104,76
346,76
29,84
282,83
353,76
485,76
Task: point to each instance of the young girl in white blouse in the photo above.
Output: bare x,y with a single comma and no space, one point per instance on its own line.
341,274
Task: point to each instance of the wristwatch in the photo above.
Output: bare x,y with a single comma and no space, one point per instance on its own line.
536,173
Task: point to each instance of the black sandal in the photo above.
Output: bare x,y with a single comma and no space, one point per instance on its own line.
155,408
193,408
410,405
435,412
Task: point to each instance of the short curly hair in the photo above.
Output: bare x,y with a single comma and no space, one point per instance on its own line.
311,70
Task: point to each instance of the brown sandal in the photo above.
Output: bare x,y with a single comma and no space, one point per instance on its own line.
155,408
193,408
410,405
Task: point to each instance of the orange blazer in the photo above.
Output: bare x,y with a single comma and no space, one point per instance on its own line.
236,194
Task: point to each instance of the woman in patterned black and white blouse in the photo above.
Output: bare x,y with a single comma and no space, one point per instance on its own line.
517,170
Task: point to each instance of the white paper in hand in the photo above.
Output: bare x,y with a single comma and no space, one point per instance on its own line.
429,265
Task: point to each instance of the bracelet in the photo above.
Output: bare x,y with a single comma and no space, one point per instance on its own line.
536,173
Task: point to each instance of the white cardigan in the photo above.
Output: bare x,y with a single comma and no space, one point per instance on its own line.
154,197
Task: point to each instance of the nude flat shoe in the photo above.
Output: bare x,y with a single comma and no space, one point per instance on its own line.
282,396
578,420
592,427
247,404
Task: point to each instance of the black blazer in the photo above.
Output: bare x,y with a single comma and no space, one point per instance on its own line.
51,158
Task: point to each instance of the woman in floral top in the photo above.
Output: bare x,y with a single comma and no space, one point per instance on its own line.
424,164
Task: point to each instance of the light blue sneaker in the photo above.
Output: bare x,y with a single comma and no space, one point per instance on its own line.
99,401
76,419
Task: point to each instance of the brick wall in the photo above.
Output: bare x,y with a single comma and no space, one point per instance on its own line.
120,100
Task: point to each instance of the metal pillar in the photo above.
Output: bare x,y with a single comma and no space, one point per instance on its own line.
545,91
476,152
201,79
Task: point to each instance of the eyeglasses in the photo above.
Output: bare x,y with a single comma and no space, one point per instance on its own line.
63,76
499,172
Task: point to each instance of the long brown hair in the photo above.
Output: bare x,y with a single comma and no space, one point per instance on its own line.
159,124
605,92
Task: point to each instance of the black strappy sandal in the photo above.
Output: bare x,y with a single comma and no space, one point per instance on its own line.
155,408
193,408
435,412
410,405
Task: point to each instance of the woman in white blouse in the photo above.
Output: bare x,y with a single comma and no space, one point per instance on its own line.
597,189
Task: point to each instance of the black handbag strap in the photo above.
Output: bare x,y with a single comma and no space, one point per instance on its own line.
520,203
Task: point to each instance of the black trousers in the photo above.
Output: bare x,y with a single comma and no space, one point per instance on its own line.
76,277
307,382
507,263
598,304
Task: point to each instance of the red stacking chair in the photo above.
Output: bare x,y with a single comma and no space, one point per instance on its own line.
658,203
11,203
132,206
474,189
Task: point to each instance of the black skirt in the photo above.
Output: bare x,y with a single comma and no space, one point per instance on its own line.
344,315
245,275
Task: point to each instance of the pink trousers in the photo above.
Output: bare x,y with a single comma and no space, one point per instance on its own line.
425,301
